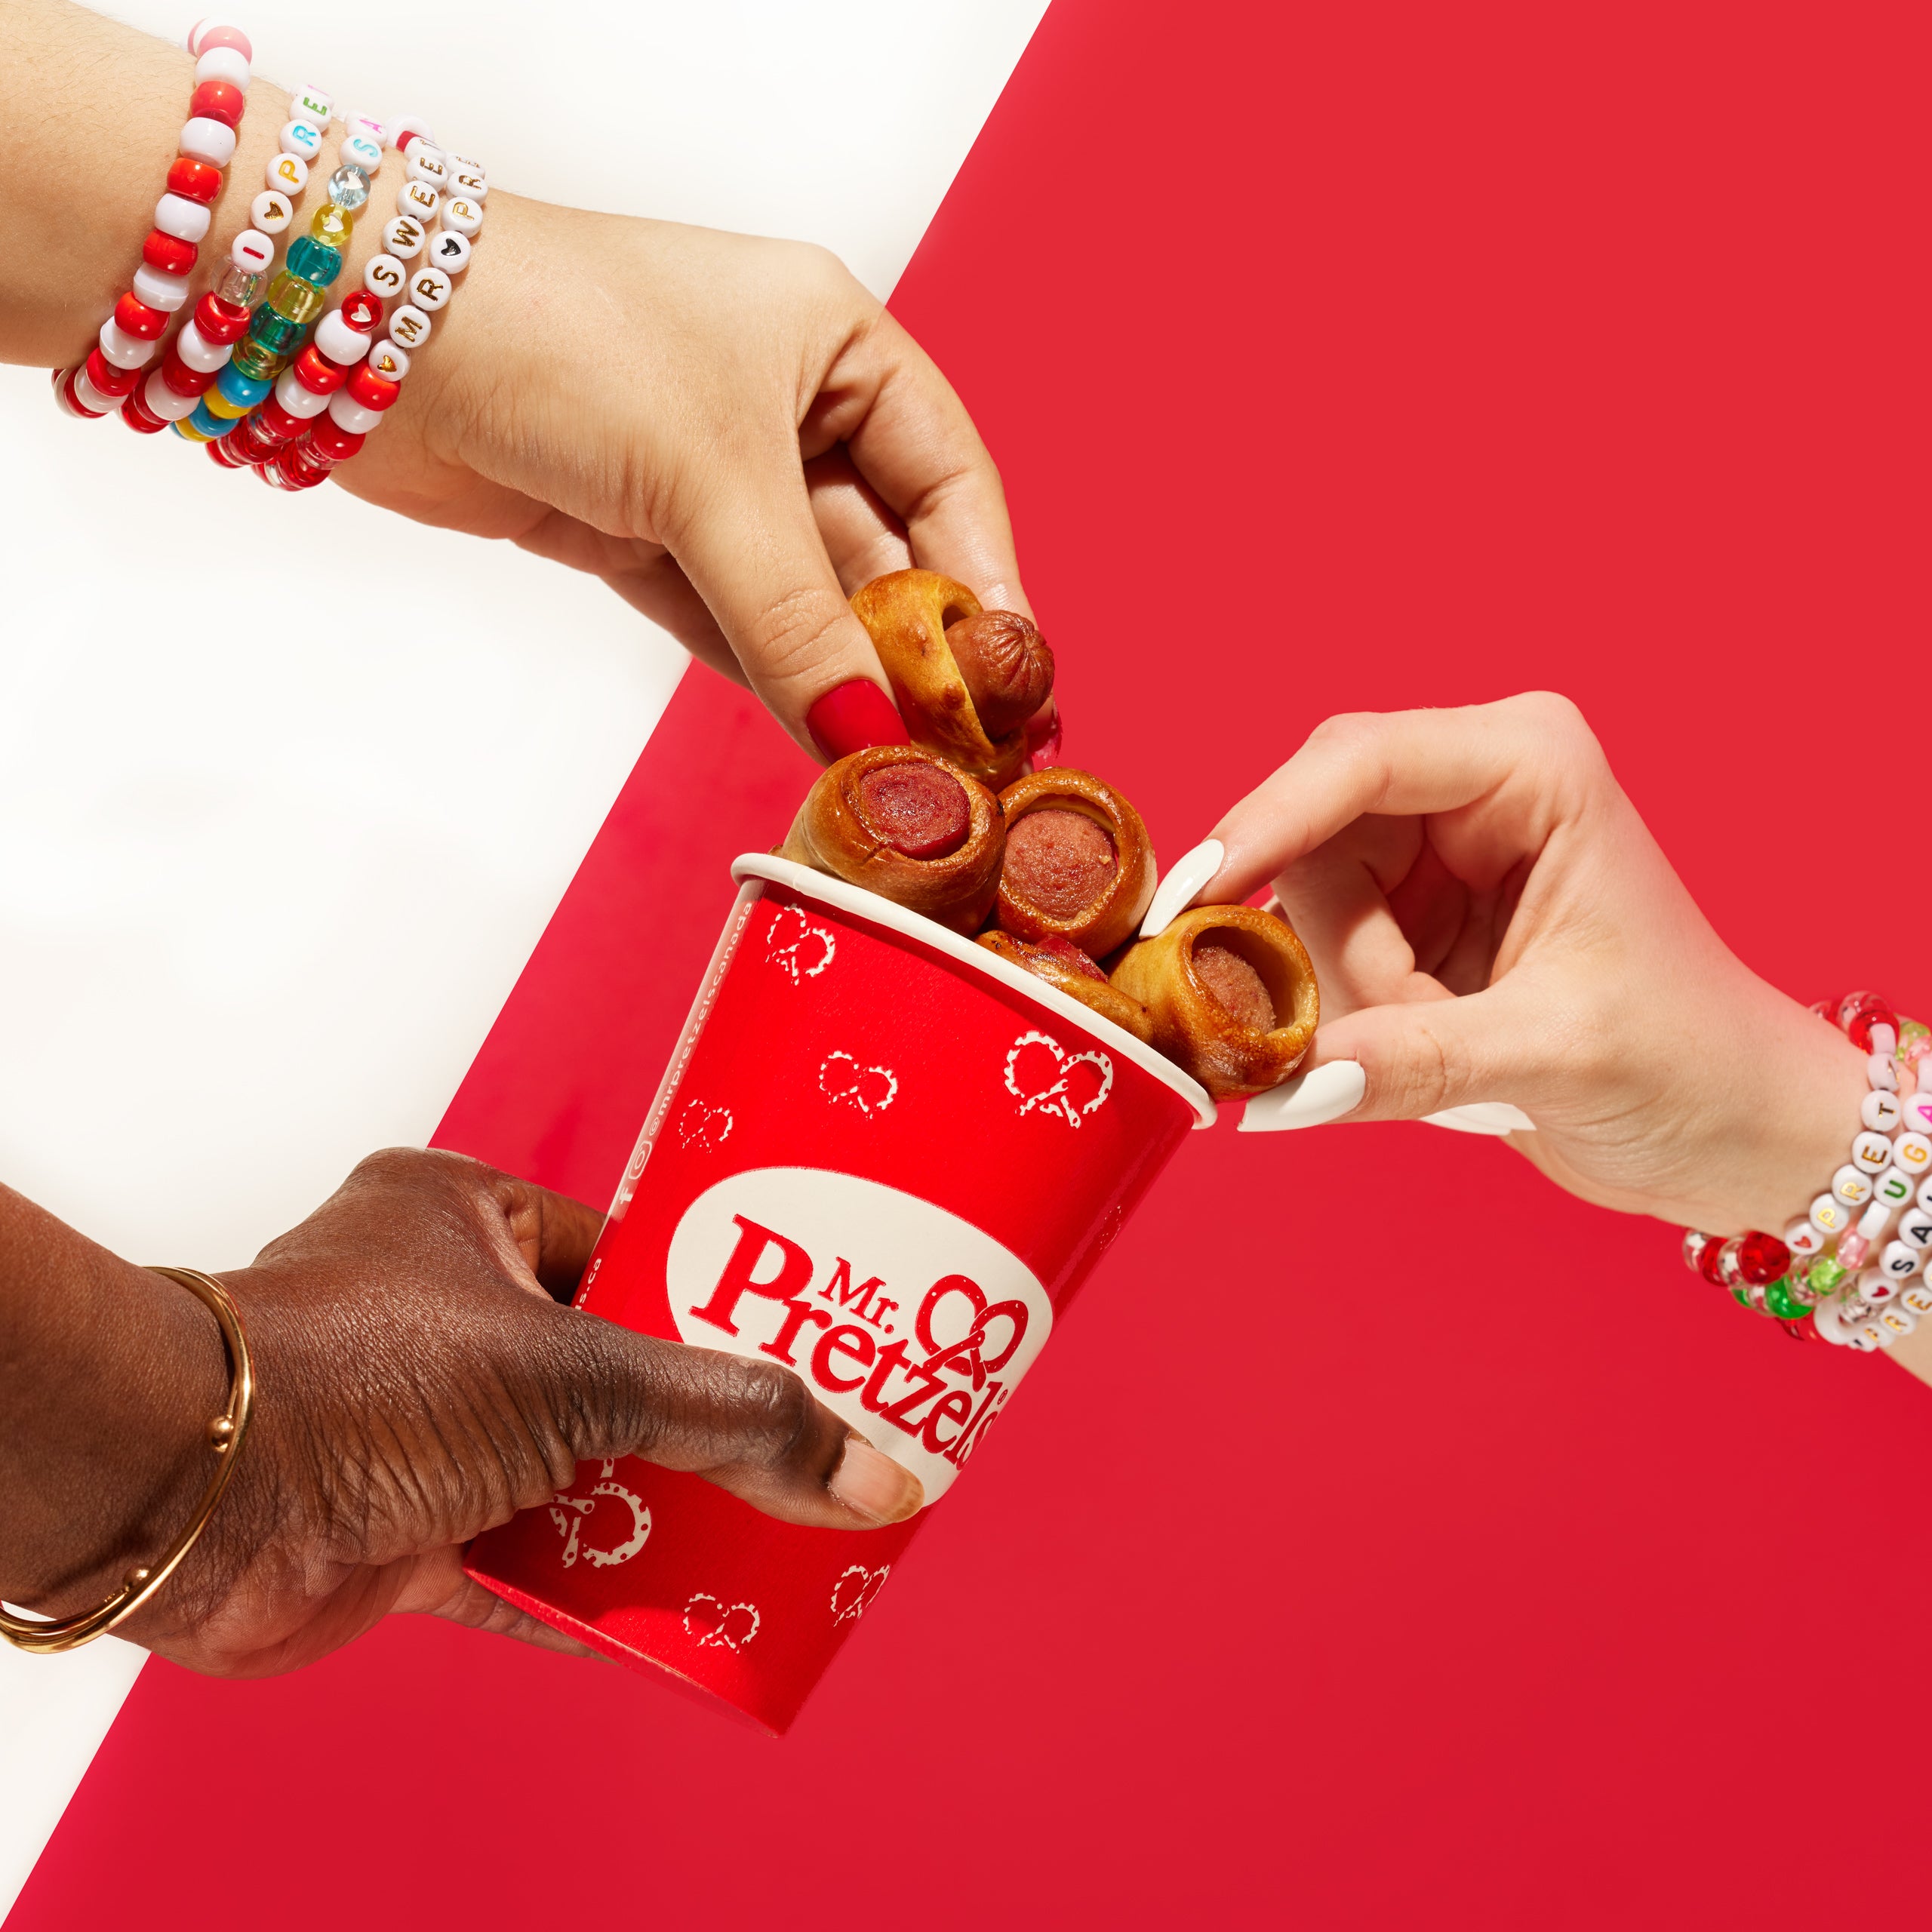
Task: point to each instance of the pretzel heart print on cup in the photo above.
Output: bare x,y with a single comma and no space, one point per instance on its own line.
928,1075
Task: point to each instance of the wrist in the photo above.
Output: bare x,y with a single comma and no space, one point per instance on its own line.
109,1386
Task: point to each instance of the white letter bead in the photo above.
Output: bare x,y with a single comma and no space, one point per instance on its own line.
296,398
404,237
159,290
1917,1296
287,174
1925,1194
370,127
1899,1260
338,341
426,164
1881,1113
1875,1220
1852,1185
1827,1213
1917,1108
429,289
165,404
1802,1238
1898,1322
123,350
349,414
271,213
223,63
361,151
186,220
209,140
392,363
1892,1188
449,252
418,198
1913,1152
409,326
1915,1228
462,215
1872,1152
311,105
467,180
1882,1071
300,140
195,349
252,251
384,275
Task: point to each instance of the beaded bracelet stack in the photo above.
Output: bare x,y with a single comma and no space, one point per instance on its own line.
110,377
1848,1272
337,390
241,376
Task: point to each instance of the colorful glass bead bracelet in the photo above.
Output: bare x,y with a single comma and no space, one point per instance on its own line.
1846,1272
111,375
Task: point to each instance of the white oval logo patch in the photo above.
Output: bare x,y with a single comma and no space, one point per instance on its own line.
912,1324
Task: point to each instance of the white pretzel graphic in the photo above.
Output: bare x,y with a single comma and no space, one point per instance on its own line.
1056,1100
568,1512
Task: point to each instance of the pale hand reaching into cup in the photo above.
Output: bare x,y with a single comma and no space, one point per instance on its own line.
1491,921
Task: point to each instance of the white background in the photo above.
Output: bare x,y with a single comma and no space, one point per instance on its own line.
272,852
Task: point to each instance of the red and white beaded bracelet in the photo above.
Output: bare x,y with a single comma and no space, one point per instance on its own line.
1835,1276
111,372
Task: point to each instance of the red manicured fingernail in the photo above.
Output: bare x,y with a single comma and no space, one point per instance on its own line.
1043,737
854,718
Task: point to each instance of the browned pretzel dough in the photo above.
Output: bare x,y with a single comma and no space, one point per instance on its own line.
1208,981
902,823
1079,865
965,680
1054,961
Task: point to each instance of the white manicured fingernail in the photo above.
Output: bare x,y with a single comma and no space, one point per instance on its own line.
1322,1094
1484,1117
1190,872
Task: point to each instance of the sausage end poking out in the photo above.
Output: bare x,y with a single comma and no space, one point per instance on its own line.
1007,666
1235,986
1058,860
918,810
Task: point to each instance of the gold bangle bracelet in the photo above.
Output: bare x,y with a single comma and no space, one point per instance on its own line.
225,1436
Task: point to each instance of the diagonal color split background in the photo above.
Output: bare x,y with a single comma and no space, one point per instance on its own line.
1390,1541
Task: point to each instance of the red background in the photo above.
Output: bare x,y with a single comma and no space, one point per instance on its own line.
1388,1540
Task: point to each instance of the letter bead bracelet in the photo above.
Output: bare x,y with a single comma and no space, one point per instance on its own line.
244,375
1851,1271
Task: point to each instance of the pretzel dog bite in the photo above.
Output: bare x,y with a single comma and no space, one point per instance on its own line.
1069,969
966,680
1231,994
904,824
1079,864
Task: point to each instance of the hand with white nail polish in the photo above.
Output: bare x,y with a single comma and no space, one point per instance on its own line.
1491,921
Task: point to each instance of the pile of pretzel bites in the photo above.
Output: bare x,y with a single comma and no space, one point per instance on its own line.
1051,870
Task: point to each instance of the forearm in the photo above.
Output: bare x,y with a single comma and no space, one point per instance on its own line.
107,1377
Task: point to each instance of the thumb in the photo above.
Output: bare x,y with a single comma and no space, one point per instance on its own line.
751,1427
755,556
1423,1056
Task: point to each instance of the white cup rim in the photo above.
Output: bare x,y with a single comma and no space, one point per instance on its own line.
877,910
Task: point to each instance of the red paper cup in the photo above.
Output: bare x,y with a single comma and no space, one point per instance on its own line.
886,1159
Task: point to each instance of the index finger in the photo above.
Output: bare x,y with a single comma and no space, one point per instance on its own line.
913,441
1399,763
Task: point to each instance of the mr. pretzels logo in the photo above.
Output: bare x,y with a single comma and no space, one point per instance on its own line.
913,1325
